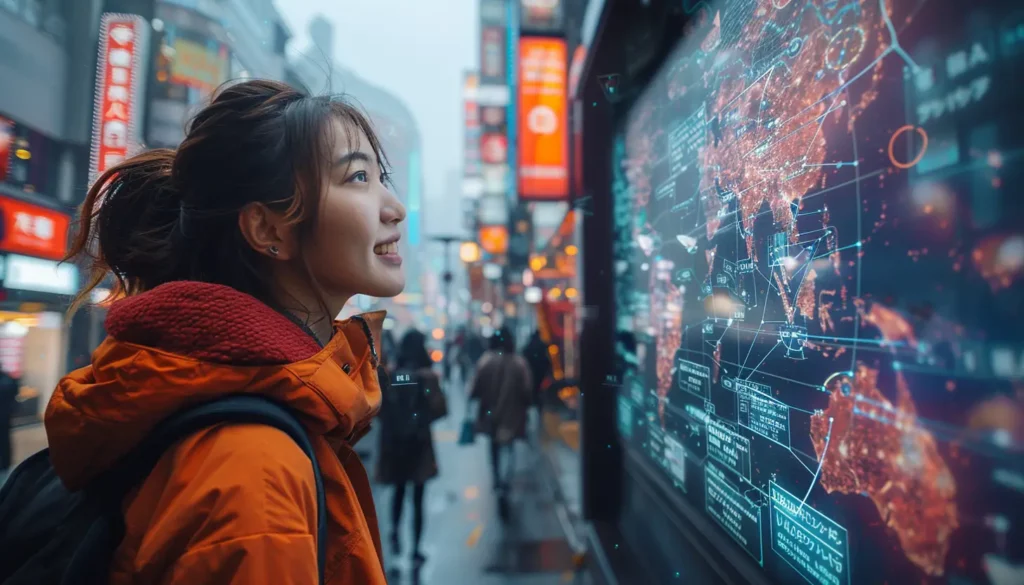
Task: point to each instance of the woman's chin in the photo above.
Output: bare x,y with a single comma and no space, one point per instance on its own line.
387,287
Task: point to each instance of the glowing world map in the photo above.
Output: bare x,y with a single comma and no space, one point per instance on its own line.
819,259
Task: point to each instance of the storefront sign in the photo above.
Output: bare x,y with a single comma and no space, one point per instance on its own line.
35,274
492,209
120,82
31,229
471,127
543,147
492,55
541,16
494,239
494,148
198,66
493,12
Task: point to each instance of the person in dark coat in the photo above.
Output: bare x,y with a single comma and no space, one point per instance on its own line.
8,396
503,386
536,355
406,445
470,352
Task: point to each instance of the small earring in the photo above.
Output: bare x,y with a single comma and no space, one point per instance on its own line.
273,250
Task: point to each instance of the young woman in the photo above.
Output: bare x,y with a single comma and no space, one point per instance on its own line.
406,445
234,253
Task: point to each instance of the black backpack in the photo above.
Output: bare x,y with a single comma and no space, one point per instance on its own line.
50,536
405,414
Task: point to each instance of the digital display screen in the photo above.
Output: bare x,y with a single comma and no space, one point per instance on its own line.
819,262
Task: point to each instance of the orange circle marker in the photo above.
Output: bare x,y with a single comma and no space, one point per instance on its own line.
920,155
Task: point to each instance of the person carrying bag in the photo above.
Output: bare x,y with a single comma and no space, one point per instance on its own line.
414,400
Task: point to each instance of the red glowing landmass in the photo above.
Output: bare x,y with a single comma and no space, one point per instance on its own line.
772,143
881,452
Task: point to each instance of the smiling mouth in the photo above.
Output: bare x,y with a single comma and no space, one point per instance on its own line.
386,249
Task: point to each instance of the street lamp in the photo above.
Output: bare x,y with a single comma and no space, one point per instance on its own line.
446,277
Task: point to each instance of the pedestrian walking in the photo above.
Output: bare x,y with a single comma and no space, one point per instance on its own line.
536,355
413,402
502,385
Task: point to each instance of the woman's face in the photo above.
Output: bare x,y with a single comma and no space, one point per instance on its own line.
355,247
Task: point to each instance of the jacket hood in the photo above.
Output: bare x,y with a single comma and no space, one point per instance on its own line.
185,343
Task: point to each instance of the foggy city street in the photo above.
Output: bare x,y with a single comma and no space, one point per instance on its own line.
511,292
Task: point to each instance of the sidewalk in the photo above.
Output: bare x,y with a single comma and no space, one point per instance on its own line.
464,540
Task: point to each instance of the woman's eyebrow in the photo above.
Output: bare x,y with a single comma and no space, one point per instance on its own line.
348,158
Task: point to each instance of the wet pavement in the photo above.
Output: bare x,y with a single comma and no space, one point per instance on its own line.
464,539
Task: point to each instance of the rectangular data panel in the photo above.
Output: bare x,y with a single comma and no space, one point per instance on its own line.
737,515
730,449
763,414
694,378
814,545
675,459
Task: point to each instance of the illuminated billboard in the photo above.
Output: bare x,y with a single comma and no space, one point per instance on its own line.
541,16
543,169
120,82
192,60
819,274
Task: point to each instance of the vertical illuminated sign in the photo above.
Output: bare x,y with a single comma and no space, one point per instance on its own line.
543,170
120,79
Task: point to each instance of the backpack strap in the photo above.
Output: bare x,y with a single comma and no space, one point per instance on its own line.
238,409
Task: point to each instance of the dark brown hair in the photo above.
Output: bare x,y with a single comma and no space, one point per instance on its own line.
167,215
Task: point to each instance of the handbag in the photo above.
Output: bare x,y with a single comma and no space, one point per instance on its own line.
437,403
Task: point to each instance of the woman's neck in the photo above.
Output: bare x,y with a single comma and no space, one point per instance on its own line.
321,329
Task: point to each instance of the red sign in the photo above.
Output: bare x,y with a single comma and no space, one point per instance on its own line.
33,230
119,80
494,149
543,147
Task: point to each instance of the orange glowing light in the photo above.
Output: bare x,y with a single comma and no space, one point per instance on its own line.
571,293
437,333
538,262
571,250
437,355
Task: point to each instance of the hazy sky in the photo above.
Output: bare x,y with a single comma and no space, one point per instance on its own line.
415,49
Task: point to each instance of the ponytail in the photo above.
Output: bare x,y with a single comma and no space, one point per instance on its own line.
128,225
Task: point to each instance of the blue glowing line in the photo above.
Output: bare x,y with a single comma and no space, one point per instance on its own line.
824,452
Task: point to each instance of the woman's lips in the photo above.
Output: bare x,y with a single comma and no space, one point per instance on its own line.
388,253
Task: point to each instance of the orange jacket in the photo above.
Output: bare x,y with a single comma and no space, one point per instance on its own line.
235,503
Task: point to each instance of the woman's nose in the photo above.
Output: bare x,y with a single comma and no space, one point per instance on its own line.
393,211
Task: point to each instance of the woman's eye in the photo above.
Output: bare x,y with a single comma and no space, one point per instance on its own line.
358,176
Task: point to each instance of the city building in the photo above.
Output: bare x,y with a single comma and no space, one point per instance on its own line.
52,50
45,118
316,70
199,46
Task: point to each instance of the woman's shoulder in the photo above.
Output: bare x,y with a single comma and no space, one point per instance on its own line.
243,465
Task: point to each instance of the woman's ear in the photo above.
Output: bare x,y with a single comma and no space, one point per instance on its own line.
267,232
